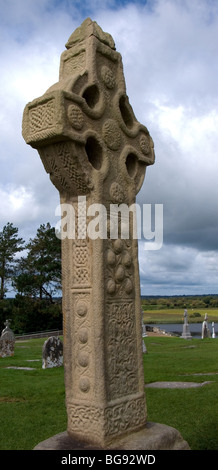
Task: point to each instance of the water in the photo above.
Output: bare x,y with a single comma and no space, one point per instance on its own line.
195,328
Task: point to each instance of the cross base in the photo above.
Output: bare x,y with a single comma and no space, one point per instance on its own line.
154,436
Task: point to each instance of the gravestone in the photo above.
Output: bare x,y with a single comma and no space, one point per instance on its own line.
144,349
96,153
52,353
205,328
213,330
186,331
7,341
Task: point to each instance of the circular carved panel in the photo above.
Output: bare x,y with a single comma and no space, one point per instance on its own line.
75,116
145,144
120,273
83,335
81,309
83,359
128,286
111,286
116,193
108,77
111,258
111,134
127,260
84,384
118,246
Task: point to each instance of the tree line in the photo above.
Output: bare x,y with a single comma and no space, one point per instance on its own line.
183,301
33,272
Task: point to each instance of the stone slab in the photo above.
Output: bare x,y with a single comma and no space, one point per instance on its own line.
154,436
20,368
177,384
202,373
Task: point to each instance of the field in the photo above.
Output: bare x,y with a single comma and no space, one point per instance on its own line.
176,315
32,402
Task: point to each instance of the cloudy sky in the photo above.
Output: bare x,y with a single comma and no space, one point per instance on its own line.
170,56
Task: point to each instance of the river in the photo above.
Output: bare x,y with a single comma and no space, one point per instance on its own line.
195,328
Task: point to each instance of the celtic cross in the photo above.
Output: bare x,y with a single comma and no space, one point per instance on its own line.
96,152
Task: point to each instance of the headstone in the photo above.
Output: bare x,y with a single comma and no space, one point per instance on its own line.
52,353
205,328
213,330
7,341
186,331
96,153
144,349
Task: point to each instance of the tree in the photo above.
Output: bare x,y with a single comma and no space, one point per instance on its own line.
40,272
10,245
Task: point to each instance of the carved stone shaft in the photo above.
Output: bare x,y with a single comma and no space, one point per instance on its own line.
96,152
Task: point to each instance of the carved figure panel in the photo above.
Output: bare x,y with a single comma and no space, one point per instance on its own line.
121,353
119,269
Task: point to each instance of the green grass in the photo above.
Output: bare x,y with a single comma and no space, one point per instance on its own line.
32,403
194,412
176,315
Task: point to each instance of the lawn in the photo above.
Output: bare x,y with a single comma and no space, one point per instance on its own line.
194,412
32,402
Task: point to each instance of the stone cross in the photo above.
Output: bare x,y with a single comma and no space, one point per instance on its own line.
96,153
186,331
205,328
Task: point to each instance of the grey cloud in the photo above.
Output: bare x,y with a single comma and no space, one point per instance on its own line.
178,270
